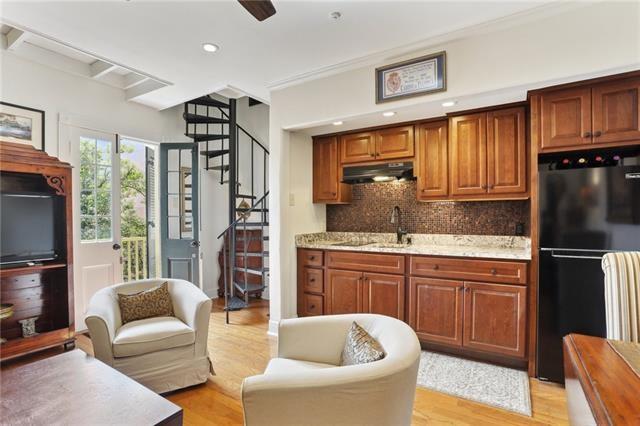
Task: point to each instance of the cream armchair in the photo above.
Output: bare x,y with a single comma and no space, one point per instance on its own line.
163,353
305,385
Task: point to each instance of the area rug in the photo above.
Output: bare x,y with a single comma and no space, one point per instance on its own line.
499,387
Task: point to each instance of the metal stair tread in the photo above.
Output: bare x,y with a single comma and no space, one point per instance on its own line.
253,197
208,101
235,304
203,119
242,209
240,225
223,168
214,153
203,137
249,288
252,271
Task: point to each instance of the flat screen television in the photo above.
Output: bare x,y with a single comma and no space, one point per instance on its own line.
27,228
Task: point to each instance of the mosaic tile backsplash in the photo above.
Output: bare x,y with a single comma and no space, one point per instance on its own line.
370,211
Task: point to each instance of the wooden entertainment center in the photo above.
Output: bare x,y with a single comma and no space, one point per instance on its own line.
39,289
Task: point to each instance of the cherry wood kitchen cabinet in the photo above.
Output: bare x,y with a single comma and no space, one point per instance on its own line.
327,173
385,144
506,151
432,164
488,155
344,289
468,154
495,318
357,147
435,310
396,142
598,113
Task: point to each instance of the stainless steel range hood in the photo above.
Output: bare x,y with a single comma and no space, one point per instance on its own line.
383,172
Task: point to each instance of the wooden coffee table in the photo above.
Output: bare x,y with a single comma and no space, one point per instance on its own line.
76,389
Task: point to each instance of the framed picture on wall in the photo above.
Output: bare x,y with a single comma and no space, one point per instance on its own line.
414,77
20,124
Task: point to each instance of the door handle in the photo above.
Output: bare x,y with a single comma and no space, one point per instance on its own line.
194,243
116,246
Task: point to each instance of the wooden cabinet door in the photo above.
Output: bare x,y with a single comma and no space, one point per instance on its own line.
616,115
383,294
565,118
435,310
397,142
432,168
357,148
327,173
468,155
344,292
506,152
495,318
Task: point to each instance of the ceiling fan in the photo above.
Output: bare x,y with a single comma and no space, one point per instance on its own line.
260,9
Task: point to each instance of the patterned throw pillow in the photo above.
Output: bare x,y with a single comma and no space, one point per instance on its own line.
154,302
360,347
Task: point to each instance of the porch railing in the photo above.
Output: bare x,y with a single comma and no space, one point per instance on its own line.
134,258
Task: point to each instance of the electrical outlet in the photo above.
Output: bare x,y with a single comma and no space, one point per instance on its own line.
519,229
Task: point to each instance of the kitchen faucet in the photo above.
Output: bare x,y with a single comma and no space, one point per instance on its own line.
395,218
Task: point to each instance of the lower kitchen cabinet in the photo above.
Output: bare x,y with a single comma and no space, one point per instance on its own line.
359,292
383,294
344,292
495,318
435,310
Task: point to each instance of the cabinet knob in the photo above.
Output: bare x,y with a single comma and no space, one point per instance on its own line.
597,134
334,194
312,258
312,280
436,267
494,271
467,289
372,154
312,306
587,135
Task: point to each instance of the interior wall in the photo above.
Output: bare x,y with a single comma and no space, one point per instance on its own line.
570,43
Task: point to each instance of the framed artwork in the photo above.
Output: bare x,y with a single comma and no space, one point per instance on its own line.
414,77
21,124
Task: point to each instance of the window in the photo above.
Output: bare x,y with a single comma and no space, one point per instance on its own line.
95,189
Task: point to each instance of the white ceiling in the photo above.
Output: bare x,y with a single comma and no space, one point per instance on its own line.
164,39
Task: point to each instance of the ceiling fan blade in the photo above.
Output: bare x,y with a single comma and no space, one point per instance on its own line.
260,9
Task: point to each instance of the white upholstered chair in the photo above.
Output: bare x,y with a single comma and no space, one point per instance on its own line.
305,385
162,353
622,295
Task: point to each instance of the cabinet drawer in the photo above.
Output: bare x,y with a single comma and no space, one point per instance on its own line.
312,304
312,280
469,269
388,263
311,257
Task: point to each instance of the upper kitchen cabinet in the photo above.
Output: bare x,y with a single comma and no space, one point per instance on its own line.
488,155
468,154
566,118
593,114
506,151
616,115
397,142
431,166
357,147
327,186
385,144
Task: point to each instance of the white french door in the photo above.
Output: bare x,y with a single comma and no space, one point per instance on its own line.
96,215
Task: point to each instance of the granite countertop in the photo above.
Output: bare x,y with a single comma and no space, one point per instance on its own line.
482,246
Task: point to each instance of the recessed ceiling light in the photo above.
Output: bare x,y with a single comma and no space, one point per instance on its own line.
337,123
389,113
210,47
449,103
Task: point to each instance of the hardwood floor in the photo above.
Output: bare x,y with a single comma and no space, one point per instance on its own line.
243,348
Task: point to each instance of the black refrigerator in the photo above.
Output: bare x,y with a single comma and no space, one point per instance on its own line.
589,205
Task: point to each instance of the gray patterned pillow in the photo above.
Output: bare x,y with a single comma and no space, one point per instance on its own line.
154,302
360,347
